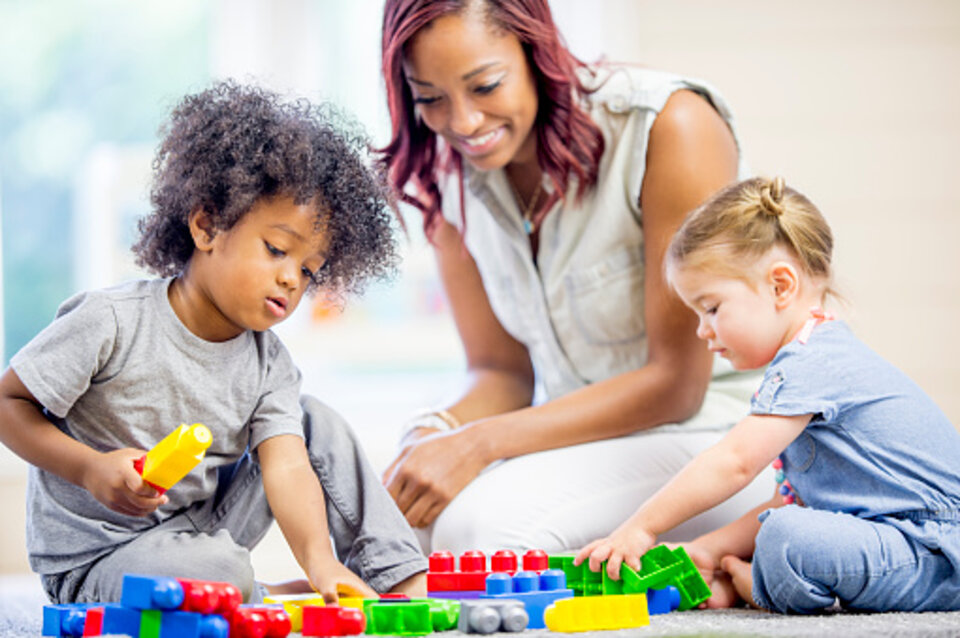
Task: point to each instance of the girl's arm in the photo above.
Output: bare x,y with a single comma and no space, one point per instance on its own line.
297,502
109,476
692,154
712,477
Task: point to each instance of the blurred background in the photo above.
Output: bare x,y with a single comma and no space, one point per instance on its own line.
857,104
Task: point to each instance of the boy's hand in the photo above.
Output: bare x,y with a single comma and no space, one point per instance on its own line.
111,478
331,578
624,545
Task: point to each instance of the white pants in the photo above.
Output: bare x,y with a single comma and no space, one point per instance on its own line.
561,499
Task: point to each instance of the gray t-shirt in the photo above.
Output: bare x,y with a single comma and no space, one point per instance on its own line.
117,368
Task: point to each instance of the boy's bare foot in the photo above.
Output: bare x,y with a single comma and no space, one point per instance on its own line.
414,587
741,572
300,586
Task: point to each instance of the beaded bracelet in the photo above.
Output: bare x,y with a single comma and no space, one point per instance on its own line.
785,489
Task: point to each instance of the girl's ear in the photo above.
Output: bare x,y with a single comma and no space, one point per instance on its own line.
785,280
202,230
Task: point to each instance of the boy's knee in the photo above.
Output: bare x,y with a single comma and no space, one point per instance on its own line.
324,426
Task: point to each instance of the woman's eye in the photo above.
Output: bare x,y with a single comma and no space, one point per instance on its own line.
487,88
273,250
425,101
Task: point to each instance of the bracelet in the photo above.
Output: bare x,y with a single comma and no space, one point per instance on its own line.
438,419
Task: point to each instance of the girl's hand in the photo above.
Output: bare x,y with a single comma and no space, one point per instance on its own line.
625,545
429,472
111,478
330,578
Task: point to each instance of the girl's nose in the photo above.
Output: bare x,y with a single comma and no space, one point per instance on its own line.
703,330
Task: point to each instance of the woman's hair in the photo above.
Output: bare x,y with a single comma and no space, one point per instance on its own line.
229,146
743,221
568,141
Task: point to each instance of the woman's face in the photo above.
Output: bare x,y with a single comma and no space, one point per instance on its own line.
472,85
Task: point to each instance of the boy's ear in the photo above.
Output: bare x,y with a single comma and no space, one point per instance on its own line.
202,230
785,280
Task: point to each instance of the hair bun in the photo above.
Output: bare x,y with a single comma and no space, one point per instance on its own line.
771,195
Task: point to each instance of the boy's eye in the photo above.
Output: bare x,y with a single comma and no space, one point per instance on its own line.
273,250
309,274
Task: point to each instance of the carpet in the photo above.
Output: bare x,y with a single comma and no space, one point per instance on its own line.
22,600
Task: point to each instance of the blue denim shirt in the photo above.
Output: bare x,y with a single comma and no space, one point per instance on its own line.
877,446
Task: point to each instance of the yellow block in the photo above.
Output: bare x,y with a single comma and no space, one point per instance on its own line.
178,453
293,604
592,613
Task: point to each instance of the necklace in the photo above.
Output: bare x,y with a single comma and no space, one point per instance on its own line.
526,209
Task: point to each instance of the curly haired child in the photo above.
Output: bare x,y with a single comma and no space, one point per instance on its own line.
868,510
256,201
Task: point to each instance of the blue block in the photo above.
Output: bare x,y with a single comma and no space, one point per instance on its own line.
65,620
662,601
186,624
151,592
121,621
536,591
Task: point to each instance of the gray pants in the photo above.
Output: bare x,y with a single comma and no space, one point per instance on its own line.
212,540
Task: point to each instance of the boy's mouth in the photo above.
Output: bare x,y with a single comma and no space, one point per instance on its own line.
278,306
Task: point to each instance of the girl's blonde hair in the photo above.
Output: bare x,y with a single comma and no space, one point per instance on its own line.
745,220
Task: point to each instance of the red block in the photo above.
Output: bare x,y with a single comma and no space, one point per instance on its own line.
209,597
332,621
93,622
259,622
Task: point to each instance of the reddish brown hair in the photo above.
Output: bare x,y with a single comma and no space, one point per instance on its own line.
568,141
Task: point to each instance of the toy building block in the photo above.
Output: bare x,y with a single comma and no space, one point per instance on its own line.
663,601
186,624
150,620
209,597
93,622
488,616
536,591
580,578
472,576
455,595
150,592
332,621
593,613
64,620
662,567
294,605
118,620
172,458
399,619
253,621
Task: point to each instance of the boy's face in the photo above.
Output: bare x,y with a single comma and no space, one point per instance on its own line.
252,276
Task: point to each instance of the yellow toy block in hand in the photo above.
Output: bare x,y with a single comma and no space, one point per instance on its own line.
172,458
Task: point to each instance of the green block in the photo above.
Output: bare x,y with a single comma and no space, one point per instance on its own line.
150,620
580,578
398,618
661,567
444,614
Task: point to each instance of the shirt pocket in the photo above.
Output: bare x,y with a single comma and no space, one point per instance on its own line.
606,298
800,454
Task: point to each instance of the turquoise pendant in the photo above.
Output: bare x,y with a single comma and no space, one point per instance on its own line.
528,226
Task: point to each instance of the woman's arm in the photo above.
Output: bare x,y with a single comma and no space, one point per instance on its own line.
110,477
296,500
691,154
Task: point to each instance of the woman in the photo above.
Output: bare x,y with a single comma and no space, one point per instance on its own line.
550,192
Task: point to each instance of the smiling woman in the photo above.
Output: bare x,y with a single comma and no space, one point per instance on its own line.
564,182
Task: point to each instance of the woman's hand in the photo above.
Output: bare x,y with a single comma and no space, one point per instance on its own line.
430,471
626,544
111,479
331,579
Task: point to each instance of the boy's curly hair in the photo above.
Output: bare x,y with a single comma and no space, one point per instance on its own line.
225,148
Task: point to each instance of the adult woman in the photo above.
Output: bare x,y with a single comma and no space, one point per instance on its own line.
564,185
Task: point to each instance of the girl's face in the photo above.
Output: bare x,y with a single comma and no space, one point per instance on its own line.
252,276
472,85
741,320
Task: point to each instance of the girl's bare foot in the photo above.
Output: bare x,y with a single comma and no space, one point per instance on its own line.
724,594
741,572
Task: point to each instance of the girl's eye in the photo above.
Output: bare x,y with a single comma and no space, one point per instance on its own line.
276,252
712,310
487,88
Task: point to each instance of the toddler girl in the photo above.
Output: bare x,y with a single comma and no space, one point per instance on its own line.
868,510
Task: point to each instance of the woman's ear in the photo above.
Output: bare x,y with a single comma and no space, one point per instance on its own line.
202,230
785,280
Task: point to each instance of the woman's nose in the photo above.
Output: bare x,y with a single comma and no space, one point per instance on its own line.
465,118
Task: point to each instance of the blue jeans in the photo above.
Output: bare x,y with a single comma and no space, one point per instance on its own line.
212,540
806,558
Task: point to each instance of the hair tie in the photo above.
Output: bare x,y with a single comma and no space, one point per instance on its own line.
771,195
